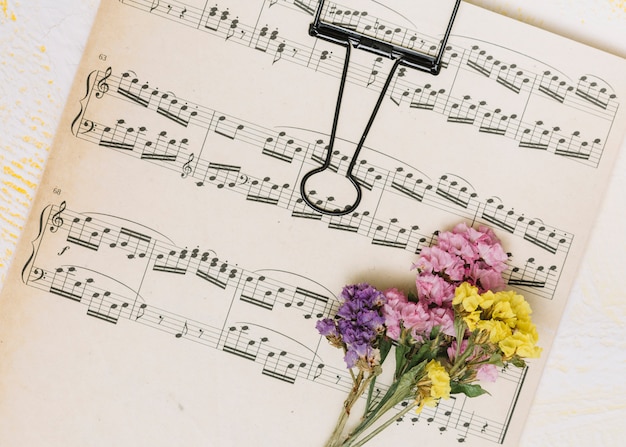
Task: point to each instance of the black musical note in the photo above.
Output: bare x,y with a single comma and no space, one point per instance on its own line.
183,331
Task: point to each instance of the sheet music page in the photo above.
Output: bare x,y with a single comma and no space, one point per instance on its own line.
167,285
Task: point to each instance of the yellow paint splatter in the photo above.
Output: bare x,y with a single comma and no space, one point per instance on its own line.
30,162
17,188
42,48
15,175
619,4
37,120
4,4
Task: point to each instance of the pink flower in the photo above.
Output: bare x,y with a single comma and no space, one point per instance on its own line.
417,318
486,278
391,311
442,317
493,255
453,347
487,373
436,260
463,254
458,244
434,289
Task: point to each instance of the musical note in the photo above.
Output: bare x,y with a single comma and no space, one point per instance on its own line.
86,235
64,286
172,262
464,113
455,190
278,367
265,38
255,292
480,61
100,308
552,86
241,345
226,129
129,88
512,78
425,98
392,235
374,73
281,147
594,92
120,137
163,149
132,241
265,191
170,107
183,331
216,272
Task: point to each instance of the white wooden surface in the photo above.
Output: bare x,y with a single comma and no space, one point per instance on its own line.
582,398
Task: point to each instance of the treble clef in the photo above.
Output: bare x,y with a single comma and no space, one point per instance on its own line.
187,167
57,220
102,85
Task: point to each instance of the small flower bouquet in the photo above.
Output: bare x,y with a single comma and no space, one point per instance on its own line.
456,330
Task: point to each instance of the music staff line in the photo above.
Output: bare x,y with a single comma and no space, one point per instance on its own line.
224,25
389,233
282,147
257,289
508,75
276,363
532,135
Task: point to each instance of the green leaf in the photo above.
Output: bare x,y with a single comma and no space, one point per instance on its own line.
420,356
384,346
518,361
459,329
496,359
401,351
470,390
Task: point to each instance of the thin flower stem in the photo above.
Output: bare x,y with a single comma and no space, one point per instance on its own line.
353,442
335,437
357,391
369,397
388,402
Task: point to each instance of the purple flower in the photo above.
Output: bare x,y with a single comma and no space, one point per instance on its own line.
357,325
327,327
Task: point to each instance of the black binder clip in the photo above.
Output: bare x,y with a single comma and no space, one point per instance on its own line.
351,37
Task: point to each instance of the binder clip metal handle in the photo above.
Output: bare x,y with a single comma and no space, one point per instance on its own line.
349,38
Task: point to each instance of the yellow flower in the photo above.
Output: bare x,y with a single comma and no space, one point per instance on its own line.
487,299
440,380
472,319
468,296
426,401
433,386
520,343
502,311
497,330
